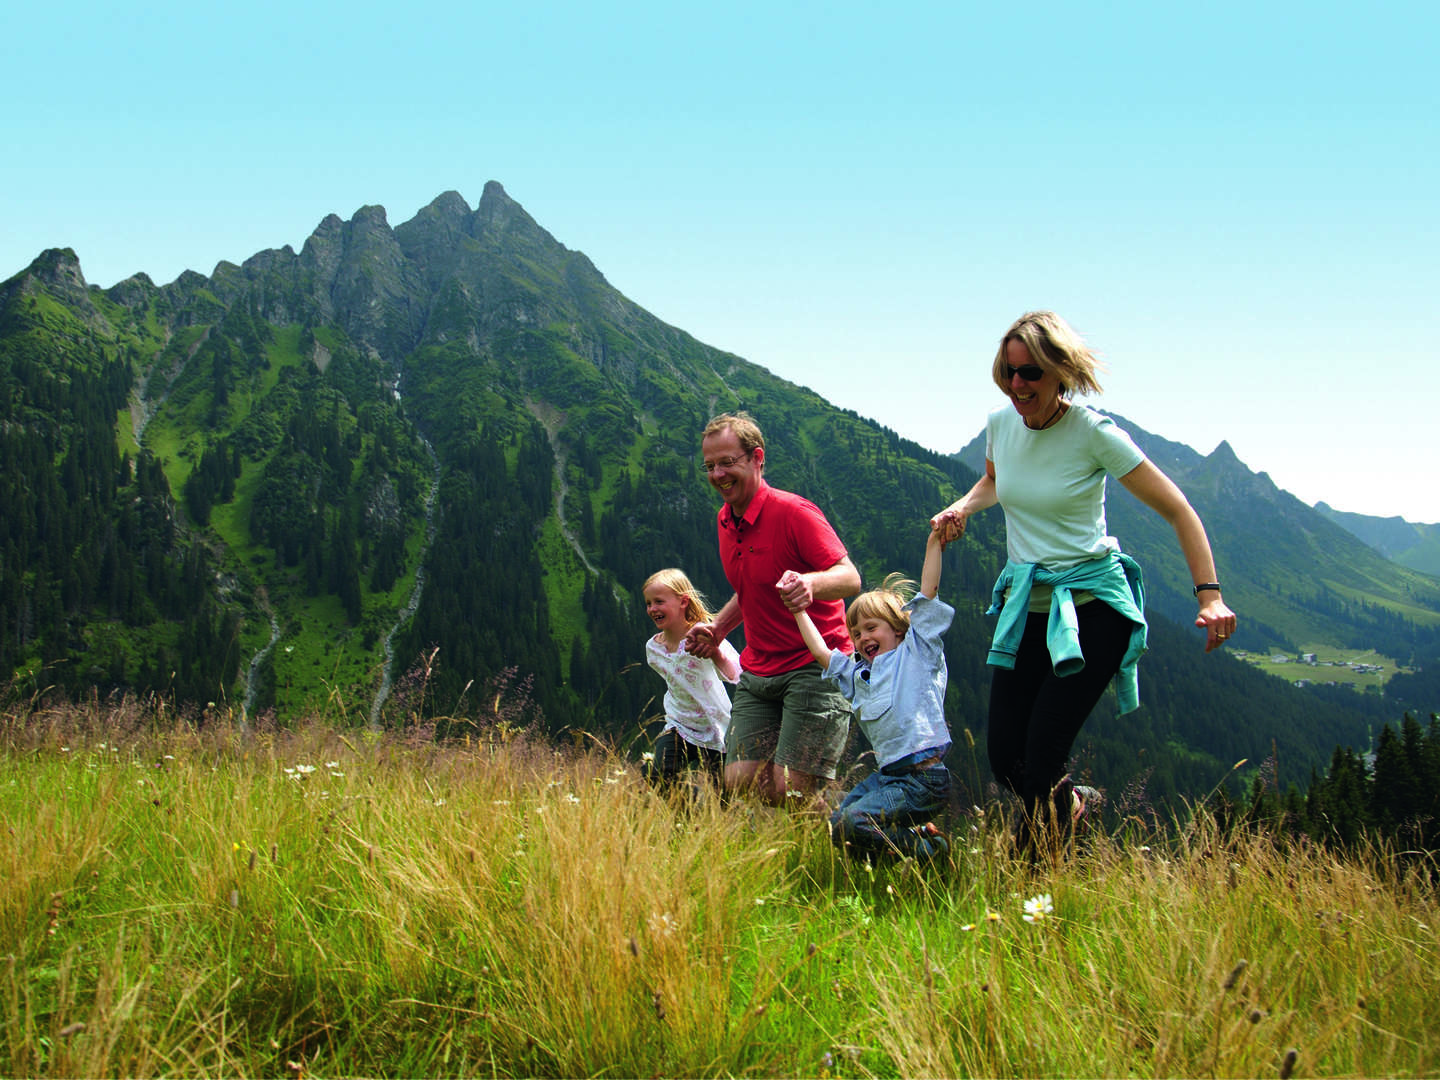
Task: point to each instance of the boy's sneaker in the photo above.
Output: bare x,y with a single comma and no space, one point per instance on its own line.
1083,798
935,840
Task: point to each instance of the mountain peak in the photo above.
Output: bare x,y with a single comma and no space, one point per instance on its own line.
1224,454
59,269
448,204
498,209
371,217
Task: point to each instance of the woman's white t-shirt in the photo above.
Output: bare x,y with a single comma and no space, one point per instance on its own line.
1051,483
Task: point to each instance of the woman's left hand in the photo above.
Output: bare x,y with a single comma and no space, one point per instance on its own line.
1218,622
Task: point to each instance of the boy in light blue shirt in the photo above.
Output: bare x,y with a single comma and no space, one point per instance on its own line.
895,680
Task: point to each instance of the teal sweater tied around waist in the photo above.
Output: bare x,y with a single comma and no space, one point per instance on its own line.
1113,579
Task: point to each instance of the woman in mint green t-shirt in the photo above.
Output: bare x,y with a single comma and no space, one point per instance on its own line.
1046,461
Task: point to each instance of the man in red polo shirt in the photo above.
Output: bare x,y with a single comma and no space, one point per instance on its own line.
787,725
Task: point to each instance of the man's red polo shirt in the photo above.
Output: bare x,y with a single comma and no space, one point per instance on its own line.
779,531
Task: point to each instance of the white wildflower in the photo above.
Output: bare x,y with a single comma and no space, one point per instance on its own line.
1037,908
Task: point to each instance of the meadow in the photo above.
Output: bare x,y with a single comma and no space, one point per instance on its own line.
1332,666
182,897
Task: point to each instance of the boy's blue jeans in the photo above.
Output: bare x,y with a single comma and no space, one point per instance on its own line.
880,812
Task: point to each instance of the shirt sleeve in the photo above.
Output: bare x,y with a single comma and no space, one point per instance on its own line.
841,671
1115,449
814,537
929,619
728,652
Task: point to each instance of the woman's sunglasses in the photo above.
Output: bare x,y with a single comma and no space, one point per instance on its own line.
1028,372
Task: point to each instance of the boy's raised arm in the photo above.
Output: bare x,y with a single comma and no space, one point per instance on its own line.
930,572
818,649
816,644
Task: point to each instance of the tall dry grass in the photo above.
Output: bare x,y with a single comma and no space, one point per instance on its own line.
179,898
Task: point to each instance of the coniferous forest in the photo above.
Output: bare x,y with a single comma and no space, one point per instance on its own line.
422,471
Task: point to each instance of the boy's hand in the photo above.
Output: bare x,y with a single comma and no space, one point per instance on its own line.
795,591
949,525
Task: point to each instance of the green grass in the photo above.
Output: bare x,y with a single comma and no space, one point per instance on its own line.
564,580
1378,592
198,901
1331,666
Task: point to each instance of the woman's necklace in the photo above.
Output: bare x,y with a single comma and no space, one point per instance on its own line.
1053,416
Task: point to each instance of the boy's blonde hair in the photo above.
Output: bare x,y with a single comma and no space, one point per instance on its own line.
677,582
887,603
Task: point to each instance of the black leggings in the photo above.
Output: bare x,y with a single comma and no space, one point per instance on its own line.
673,754
1035,715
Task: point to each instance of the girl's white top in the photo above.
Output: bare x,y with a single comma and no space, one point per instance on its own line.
696,702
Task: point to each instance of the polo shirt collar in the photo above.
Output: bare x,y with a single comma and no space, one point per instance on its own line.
752,512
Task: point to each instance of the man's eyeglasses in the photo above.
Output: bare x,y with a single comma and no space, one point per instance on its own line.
1028,372
724,462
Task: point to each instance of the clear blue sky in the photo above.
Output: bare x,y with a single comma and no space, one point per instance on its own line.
1237,203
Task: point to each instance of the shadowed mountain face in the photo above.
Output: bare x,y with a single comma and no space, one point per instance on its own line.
1405,542
423,470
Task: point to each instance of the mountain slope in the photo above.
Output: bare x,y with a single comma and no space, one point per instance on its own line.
1405,542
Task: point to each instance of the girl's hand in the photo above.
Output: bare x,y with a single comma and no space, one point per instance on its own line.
700,641
1217,620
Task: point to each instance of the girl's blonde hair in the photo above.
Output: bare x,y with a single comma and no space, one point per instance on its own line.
887,603
677,582
1055,346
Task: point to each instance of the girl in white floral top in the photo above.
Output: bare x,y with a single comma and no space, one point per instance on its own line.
697,706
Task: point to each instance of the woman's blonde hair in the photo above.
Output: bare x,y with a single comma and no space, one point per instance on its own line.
1055,346
677,582
886,603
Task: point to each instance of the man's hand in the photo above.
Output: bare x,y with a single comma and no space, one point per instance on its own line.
701,641
795,590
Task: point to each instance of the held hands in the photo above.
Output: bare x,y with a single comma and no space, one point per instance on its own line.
1218,622
949,524
701,642
795,591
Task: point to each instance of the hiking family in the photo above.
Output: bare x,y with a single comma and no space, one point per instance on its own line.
1069,607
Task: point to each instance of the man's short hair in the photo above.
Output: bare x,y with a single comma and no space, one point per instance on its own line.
742,424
